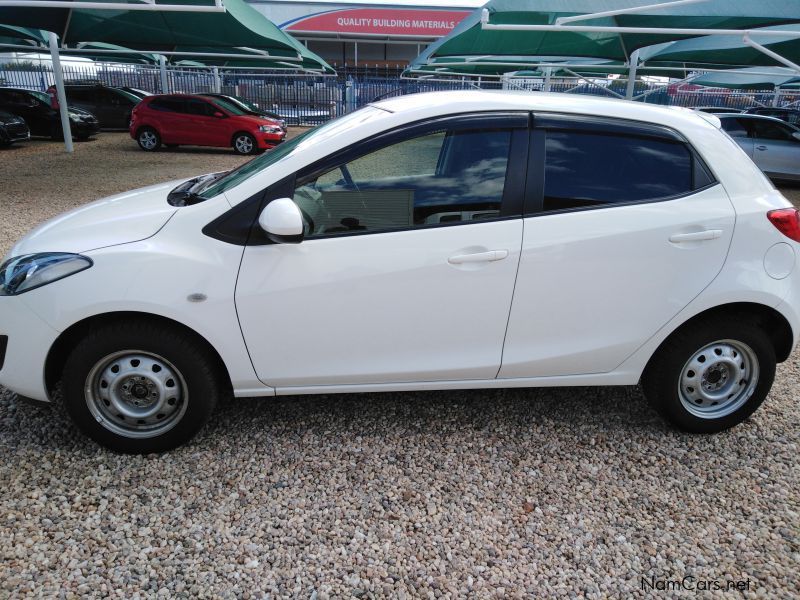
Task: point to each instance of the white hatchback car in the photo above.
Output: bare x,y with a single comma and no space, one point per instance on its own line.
435,241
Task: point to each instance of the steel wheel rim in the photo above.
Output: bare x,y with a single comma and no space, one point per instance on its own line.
147,139
136,394
244,144
718,379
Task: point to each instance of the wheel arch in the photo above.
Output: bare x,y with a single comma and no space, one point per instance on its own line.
59,351
239,132
773,322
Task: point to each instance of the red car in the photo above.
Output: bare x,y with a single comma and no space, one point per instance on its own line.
175,119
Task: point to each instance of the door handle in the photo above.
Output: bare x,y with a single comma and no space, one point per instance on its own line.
696,236
490,256
761,147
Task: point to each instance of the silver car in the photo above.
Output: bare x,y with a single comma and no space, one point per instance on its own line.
772,144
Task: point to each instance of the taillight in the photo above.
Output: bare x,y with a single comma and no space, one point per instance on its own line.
787,221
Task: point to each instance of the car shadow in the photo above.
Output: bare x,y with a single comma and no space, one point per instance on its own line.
569,414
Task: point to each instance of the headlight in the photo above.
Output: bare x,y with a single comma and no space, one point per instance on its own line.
269,129
30,271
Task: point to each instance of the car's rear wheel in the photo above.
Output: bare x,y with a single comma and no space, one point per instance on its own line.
710,376
140,388
148,139
244,143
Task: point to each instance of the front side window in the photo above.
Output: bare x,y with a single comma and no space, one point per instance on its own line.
770,130
591,169
439,177
199,107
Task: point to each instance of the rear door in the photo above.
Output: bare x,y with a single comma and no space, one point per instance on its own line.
624,227
170,119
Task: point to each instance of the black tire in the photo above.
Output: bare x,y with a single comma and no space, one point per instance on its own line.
244,143
94,393
148,139
733,353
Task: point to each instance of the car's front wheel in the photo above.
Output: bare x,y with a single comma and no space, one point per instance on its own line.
148,139
244,143
708,377
140,387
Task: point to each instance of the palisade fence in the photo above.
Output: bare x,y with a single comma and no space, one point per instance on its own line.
309,99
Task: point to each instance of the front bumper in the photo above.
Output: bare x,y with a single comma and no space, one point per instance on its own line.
84,128
14,132
29,341
269,140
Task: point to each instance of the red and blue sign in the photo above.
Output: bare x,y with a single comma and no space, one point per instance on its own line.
378,21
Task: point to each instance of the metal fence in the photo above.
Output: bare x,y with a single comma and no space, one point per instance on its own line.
308,99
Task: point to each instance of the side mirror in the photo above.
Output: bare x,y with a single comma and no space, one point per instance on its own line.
796,135
219,115
282,221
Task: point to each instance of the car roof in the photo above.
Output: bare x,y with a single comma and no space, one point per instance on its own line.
754,118
451,102
17,89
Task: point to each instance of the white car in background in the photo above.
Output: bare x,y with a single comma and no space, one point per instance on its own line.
434,241
772,144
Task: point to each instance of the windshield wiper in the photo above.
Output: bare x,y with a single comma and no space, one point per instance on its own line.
188,193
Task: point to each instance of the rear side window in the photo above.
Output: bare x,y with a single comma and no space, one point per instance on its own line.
595,169
168,104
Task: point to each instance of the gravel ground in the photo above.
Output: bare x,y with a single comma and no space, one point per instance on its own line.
499,493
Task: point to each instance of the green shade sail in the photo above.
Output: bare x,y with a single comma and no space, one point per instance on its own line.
757,78
240,26
468,39
727,49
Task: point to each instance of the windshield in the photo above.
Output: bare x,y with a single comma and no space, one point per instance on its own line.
317,135
246,103
40,96
132,97
229,106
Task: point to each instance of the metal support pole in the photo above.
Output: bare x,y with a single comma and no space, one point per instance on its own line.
548,73
632,68
355,52
773,55
217,80
60,94
162,63
776,99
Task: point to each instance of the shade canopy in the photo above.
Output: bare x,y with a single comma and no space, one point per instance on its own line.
469,39
758,78
239,30
727,50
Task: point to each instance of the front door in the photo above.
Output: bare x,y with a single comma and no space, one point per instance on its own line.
775,150
628,228
408,266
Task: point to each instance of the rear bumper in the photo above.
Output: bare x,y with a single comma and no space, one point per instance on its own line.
29,340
